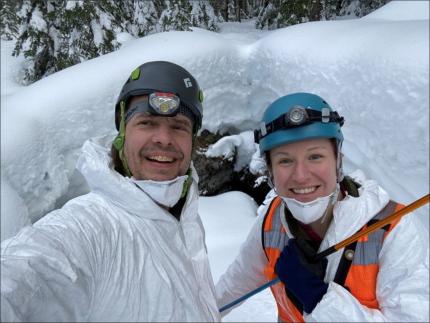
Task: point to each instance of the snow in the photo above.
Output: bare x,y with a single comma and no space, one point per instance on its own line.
70,5
37,21
223,248
373,70
227,146
402,10
12,204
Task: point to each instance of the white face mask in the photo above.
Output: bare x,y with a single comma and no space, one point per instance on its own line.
308,212
166,193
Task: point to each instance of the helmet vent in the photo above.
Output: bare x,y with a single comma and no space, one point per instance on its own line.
135,74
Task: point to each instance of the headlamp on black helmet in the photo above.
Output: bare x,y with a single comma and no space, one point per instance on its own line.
171,90
159,104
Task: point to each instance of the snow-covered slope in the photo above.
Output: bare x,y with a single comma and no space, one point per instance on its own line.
373,71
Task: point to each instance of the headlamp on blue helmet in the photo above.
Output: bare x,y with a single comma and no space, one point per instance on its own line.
296,117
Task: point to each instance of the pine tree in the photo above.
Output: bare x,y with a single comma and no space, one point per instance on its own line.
331,9
9,20
294,12
144,18
267,16
278,14
360,8
203,15
87,30
176,16
281,13
34,40
58,34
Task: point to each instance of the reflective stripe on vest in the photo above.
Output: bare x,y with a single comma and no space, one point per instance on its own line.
364,265
363,273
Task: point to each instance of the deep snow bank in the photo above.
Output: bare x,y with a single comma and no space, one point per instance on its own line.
373,71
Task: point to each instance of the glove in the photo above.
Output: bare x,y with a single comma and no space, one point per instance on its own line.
301,274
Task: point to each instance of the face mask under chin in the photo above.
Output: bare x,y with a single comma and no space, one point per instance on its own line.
166,193
308,212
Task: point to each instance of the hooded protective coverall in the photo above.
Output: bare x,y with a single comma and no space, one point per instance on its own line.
402,287
110,255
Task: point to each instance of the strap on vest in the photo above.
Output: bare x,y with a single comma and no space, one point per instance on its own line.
345,264
349,250
347,186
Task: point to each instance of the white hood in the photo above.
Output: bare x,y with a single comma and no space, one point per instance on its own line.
96,166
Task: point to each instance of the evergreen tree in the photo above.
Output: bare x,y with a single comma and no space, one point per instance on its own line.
331,9
58,34
9,20
296,12
278,14
87,30
360,8
176,16
144,18
203,15
281,13
34,39
55,34
267,16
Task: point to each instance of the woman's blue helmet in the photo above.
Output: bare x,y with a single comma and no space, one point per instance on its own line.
296,117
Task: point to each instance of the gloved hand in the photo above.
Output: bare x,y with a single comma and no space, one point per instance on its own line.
301,274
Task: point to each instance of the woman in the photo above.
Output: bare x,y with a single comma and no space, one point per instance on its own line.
382,277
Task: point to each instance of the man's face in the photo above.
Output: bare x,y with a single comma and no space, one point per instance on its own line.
158,148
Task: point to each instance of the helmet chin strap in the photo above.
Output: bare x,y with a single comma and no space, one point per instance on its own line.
187,183
333,199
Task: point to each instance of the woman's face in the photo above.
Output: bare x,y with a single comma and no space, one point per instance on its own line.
304,170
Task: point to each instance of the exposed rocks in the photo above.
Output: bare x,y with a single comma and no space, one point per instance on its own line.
217,175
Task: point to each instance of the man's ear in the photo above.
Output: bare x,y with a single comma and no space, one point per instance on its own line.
118,142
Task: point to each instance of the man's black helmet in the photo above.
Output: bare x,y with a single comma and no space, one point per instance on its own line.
161,76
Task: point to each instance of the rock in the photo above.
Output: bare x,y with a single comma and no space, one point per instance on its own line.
217,175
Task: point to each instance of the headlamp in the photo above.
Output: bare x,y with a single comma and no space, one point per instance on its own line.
157,103
296,117
164,103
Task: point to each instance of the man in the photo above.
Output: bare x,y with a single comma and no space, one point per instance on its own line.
132,249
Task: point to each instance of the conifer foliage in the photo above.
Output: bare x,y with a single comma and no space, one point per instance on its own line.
9,21
55,34
281,13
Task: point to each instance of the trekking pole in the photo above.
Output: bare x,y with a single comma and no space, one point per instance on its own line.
377,225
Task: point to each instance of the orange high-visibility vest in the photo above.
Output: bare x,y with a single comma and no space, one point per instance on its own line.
363,264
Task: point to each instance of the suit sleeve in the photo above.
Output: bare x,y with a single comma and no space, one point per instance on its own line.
45,273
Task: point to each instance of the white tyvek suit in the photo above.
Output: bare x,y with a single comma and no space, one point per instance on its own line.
110,255
403,280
